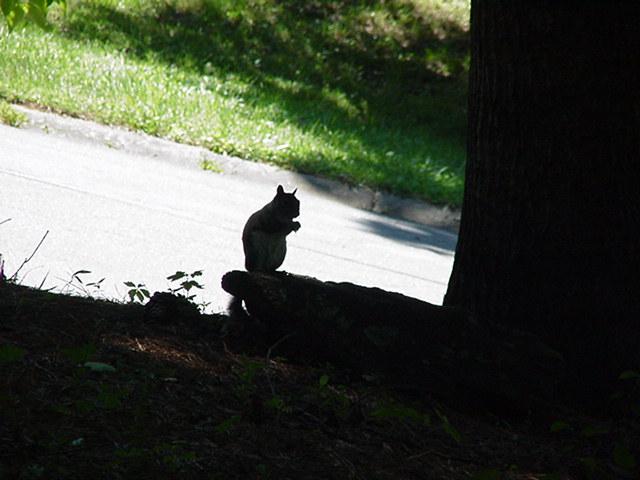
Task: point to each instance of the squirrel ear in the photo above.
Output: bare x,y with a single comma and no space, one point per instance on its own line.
280,190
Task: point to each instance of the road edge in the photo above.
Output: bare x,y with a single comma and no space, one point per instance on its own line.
138,143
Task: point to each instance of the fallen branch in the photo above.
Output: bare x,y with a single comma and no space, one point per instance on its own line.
369,330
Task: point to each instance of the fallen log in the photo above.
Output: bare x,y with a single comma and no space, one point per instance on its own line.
369,330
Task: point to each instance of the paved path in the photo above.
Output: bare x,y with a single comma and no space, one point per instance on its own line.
125,215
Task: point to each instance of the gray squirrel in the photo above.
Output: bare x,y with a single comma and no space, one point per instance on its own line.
264,234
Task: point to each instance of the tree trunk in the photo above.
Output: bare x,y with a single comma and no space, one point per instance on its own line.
548,238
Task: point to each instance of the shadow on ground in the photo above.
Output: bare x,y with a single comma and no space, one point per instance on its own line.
313,44
413,234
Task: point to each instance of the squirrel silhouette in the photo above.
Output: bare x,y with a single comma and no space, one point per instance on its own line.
264,234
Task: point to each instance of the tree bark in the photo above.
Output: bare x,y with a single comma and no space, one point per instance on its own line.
548,238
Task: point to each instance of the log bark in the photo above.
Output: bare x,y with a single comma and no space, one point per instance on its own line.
442,350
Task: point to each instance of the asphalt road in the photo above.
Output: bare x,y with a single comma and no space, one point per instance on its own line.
126,216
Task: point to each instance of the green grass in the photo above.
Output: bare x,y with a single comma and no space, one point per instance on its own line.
10,116
369,92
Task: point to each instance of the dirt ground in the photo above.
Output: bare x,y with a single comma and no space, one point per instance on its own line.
95,389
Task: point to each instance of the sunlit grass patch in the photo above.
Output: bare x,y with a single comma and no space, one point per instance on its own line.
10,116
368,92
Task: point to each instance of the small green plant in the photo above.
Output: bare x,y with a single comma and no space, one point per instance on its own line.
128,456
175,457
88,289
630,375
109,398
559,426
588,431
278,404
488,474
137,292
262,472
211,166
227,425
10,116
621,455
187,282
392,410
33,471
246,385
81,354
11,354
84,406
332,397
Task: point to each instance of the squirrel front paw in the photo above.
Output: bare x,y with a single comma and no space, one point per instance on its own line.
295,226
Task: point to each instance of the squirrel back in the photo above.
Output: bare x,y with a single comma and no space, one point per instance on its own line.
264,234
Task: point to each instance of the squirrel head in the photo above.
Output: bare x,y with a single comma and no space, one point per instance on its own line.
287,206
